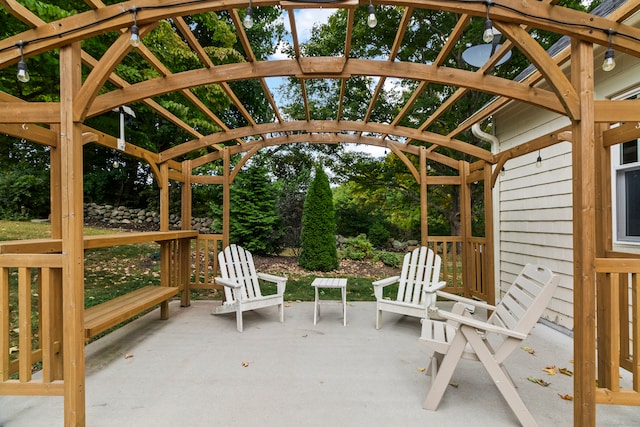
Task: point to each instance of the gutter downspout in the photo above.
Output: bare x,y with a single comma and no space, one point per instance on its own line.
495,144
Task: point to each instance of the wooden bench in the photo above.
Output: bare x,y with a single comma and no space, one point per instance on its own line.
108,314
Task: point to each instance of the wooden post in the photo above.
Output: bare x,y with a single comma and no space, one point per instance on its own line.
184,245
424,225
226,196
465,227
165,247
488,267
71,211
604,242
584,238
54,323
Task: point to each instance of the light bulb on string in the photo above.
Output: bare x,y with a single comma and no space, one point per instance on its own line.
487,35
23,71
134,40
248,17
609,62
539,161
372,21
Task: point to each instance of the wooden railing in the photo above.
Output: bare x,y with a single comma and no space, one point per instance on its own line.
36,280
205,261
618,335
207,246
31,295
450,249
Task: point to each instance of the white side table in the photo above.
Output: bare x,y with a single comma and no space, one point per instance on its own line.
330,282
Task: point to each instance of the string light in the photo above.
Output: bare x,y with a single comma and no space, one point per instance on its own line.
372,21
503,171
487,36
135,31
23,72
609,62
539,161
248,17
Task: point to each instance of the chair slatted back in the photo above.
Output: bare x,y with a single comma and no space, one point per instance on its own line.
236,264
526,299
420,268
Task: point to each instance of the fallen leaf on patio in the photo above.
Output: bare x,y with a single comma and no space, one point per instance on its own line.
422,369
305,335
565,396
566,372
529,350
128,356
454,385
245,364
538,381
551,370
287,304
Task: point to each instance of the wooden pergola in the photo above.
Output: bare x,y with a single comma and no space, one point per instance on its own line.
60,125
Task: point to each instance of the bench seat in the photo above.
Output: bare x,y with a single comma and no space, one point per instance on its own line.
103,316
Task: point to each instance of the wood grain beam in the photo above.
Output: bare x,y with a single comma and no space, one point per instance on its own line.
278,68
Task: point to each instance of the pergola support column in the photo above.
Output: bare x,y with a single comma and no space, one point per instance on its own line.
584,236
465,227
488,266
226,196
424,225
71,214
184,244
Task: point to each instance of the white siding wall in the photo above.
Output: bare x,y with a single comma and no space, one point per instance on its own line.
534,205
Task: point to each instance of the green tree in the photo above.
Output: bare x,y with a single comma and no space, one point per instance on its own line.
318,227
254,221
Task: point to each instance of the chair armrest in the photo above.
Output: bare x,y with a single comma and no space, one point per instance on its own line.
281,282
386,281
378,286
480,325
227,282
464,300
271,278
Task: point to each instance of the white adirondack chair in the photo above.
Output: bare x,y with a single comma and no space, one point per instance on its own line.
462,336
420,272
241,286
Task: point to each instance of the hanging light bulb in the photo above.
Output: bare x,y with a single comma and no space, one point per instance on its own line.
248,17
23,72
487,36
609,60
539,161
135,31
372,21
503,171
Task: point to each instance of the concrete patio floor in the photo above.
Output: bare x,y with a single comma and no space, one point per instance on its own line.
195,369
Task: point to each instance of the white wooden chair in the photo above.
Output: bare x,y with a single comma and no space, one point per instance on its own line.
420,272
462,336
241,286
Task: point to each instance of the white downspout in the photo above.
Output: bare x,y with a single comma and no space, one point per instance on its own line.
495,146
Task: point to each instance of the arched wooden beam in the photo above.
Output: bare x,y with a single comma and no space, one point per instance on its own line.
102,71
322,126
546,65
242,162
364,67
110,18
322,138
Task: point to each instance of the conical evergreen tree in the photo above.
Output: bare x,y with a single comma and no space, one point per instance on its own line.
254,219
318,239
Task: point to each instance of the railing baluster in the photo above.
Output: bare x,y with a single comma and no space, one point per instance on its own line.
4,324
24,320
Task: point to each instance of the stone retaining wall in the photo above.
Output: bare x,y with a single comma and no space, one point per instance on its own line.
122,217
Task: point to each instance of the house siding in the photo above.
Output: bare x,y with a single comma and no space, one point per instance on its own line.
534,205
